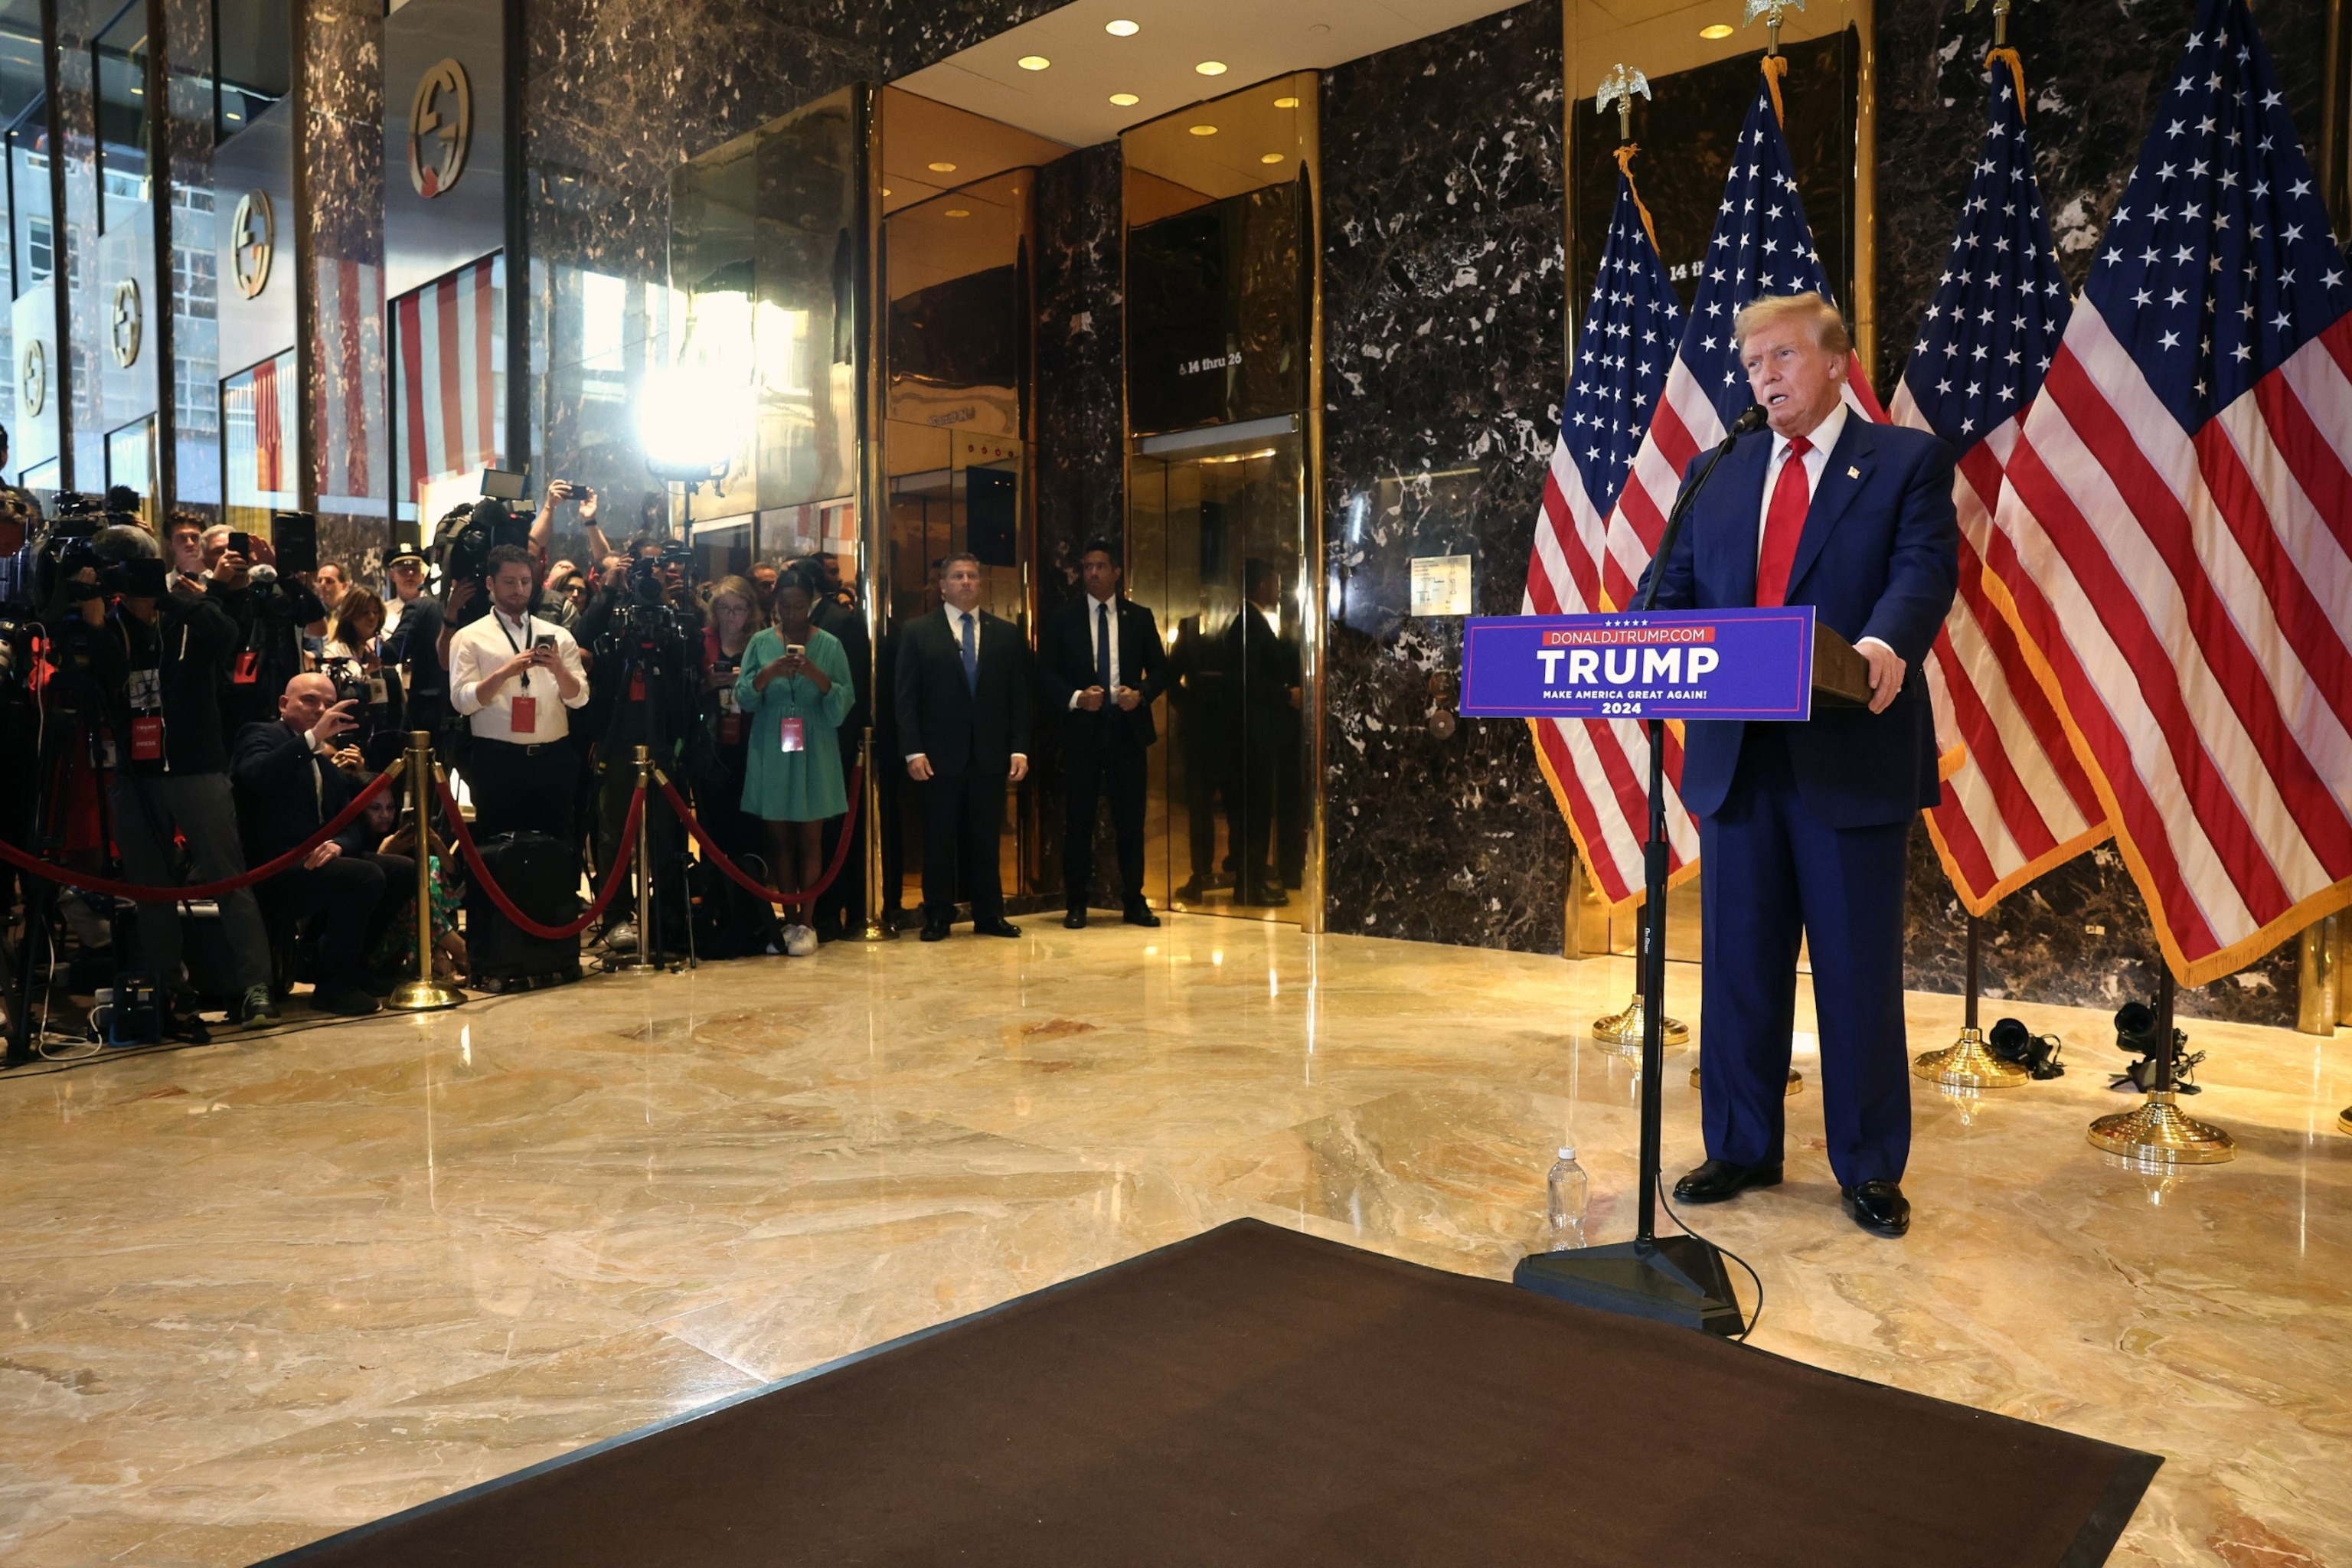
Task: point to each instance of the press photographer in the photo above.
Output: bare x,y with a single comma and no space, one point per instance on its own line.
515,678
272,614
155,664
291,777
353,658
644,630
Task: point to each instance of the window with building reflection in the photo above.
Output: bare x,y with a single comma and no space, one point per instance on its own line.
254,60
257,416
118,68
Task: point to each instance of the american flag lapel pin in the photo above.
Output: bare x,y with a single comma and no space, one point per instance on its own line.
1851,472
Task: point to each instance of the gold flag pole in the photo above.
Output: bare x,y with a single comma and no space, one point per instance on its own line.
1623,1027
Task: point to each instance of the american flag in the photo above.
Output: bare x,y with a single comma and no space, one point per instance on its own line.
2181,518
1762,245
1600,768
2016,800
450,337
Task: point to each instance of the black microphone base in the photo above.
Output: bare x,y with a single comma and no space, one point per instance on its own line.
1677,1279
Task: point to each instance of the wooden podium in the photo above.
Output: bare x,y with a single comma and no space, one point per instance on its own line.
1841,674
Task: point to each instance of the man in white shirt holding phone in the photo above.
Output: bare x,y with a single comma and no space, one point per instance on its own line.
517,677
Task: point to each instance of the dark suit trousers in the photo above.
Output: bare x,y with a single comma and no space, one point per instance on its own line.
962,813
357,895
1774,871
522,789
1101,755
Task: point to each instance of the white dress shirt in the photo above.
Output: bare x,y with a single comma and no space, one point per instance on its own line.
474,653
1824,437
1094,607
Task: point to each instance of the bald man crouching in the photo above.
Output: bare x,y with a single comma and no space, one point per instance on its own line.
290,781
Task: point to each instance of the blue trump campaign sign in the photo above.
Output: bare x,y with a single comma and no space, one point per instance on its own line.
1679,664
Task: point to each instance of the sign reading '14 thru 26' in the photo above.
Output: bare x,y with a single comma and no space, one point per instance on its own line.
1698,664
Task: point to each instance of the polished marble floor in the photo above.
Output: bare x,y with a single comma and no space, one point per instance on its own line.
252,1293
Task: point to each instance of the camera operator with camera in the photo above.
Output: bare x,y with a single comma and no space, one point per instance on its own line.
272,615
352,657
515,678
644,628
155,662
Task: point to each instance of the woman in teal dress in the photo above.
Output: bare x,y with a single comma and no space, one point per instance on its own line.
792,781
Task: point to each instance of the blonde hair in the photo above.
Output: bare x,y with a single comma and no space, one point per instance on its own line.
746,590
1829,327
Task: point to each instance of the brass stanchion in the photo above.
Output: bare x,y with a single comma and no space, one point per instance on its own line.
877,928
424,994
1966,1063
2159,1132
1623,1027
643,956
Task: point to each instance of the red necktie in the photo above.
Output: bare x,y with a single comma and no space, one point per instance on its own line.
1783,523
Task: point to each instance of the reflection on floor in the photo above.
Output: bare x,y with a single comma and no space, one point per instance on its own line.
252,1293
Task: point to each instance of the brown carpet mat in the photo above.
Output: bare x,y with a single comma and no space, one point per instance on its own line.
1253,1395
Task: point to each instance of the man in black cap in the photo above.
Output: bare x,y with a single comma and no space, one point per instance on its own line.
411,640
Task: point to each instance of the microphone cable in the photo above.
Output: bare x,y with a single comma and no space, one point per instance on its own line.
1758,1279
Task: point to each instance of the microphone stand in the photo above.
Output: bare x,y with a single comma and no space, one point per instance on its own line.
1676,1278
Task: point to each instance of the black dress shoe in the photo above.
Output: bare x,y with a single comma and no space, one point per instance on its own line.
1191,891
999,927
1879,1208
935,930
1075,920
1140,915
1716,1180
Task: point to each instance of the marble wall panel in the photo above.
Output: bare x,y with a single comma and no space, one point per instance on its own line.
75,116
2095,75
192,472
1080,471
1444,295
339,159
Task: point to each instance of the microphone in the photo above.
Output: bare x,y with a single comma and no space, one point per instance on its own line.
262,574
1751,422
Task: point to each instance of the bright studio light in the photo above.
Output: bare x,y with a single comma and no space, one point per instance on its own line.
692,418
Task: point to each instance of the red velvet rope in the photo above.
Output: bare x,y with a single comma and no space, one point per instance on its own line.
145,894
506,905
743,879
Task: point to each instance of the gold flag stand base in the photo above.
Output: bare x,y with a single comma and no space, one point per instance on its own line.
2159,1132
1967,1064
1796,1082
423,997
1623,1027
2343,1120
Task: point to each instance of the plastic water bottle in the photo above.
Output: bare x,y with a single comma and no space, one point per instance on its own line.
1565,1209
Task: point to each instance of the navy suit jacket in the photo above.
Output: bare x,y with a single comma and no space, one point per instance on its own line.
1879,557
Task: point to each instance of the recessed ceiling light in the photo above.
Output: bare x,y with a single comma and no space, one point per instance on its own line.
1286,103
1271,158
1033,62
1718,30
1123,29
1204,130
886,190
1211,67
943,168
1125,100
959,212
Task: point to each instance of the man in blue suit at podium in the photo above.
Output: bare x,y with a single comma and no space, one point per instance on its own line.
1804,827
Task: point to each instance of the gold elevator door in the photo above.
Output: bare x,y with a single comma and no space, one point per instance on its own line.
1215,541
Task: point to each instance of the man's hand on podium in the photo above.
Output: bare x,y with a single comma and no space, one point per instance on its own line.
1887,668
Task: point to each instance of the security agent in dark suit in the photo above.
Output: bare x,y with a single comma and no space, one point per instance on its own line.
1104,668
1804,827
962,690
1265,669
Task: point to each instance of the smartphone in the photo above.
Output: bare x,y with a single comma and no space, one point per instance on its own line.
544,640
294,536
795,650
241,545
